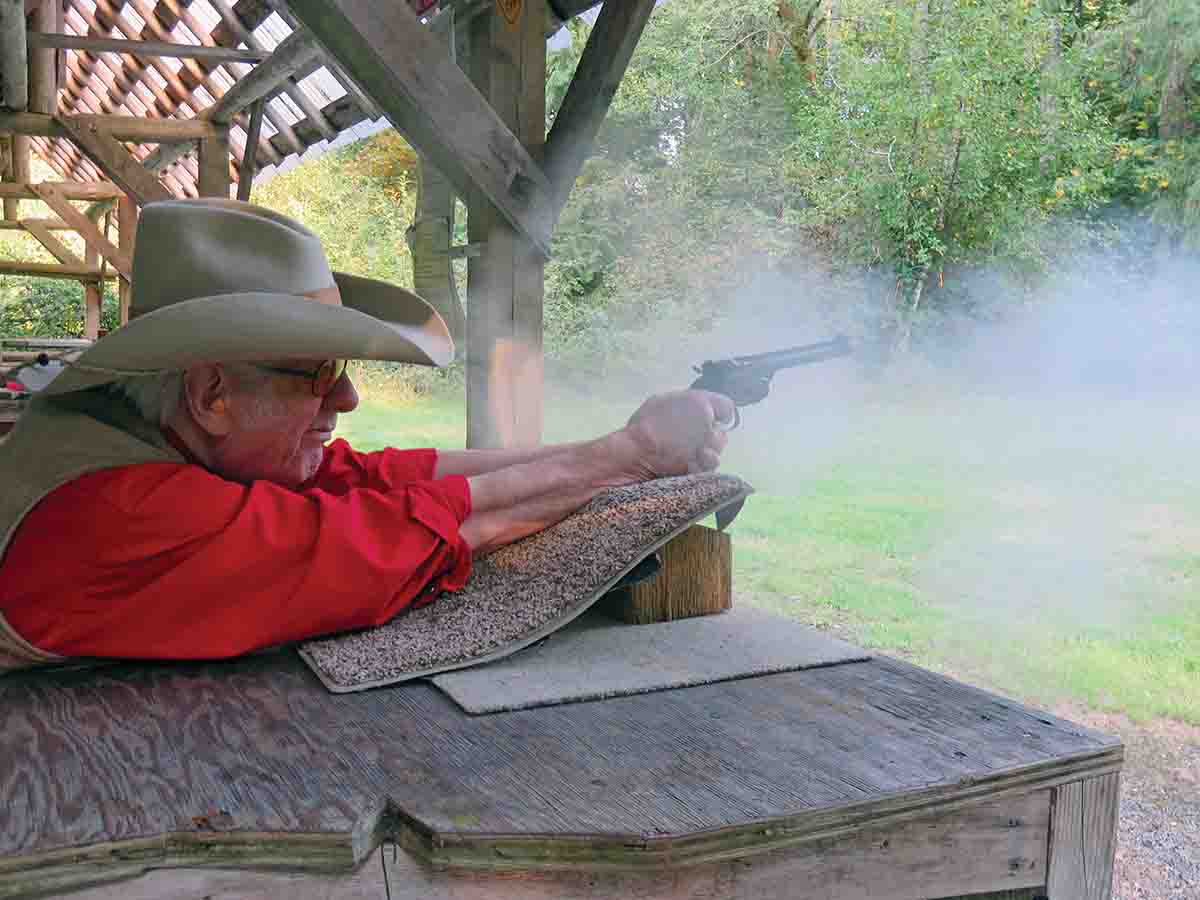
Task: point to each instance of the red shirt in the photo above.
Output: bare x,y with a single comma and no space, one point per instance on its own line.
169,561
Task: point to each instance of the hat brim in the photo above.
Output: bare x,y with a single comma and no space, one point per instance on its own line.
376,321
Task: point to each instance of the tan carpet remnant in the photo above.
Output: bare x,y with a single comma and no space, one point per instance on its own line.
523,592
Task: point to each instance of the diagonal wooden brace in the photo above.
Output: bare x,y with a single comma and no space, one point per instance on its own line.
430,100
596,79
46,238
92,236
115,161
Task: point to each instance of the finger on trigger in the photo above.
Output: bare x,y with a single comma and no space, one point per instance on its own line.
722,407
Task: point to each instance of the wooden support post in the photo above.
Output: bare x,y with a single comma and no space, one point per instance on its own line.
126,230
93,297
213,157
14,61
505,283
1083,839
43,62
250,153
696,579
21,173
432,231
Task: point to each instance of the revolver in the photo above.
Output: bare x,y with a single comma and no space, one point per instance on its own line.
747,379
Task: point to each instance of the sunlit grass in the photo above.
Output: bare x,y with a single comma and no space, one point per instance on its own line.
1045,571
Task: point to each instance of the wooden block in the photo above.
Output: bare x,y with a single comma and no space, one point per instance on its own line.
696,579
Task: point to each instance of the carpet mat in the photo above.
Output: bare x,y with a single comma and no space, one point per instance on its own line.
521,593
596,657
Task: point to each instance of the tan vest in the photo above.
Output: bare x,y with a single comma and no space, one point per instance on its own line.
56,440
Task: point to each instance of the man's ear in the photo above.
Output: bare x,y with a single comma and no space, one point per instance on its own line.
206,391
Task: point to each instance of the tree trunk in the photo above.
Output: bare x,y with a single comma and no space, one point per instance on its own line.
1049,99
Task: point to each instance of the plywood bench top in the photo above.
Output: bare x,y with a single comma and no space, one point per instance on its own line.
253,762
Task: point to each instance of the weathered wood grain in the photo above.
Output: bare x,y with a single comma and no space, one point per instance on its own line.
990,846
425,95
38,39
254,761
1083,839
121,127
696,579
505,282
213,156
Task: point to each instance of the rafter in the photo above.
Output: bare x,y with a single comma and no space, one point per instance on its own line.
122,128
210,52
429,99
115,161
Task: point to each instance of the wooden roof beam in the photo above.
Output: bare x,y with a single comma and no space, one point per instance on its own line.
264,79
211,53
596,79
123,128
14,60
127,74
53,270
299,97
430,100
109,16
71,190
114,161
235,72
365,103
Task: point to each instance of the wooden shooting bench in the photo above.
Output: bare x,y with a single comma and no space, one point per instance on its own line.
248,779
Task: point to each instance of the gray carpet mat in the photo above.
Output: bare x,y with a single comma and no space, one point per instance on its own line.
596,657
523,592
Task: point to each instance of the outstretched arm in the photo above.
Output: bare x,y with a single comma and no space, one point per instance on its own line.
480,462
671,434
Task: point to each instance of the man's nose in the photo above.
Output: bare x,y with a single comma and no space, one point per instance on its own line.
344,397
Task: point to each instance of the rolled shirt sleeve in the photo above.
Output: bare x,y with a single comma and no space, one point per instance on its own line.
170,561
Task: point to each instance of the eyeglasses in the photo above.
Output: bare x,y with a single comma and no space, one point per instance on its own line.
324,376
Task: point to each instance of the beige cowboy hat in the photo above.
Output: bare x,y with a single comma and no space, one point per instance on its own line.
224,281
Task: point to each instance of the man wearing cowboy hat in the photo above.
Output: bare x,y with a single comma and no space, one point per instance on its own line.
175,493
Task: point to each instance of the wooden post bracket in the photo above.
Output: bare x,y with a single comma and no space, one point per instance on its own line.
430,100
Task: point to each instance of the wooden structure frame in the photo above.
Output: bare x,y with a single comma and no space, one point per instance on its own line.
986,798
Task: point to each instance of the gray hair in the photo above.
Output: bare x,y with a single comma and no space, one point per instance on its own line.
157,397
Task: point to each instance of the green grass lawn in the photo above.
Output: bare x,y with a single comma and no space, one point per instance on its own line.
1052,562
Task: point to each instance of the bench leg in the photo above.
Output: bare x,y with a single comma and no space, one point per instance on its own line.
1083,839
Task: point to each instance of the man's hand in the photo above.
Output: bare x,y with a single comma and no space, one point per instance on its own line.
671,434
677,434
